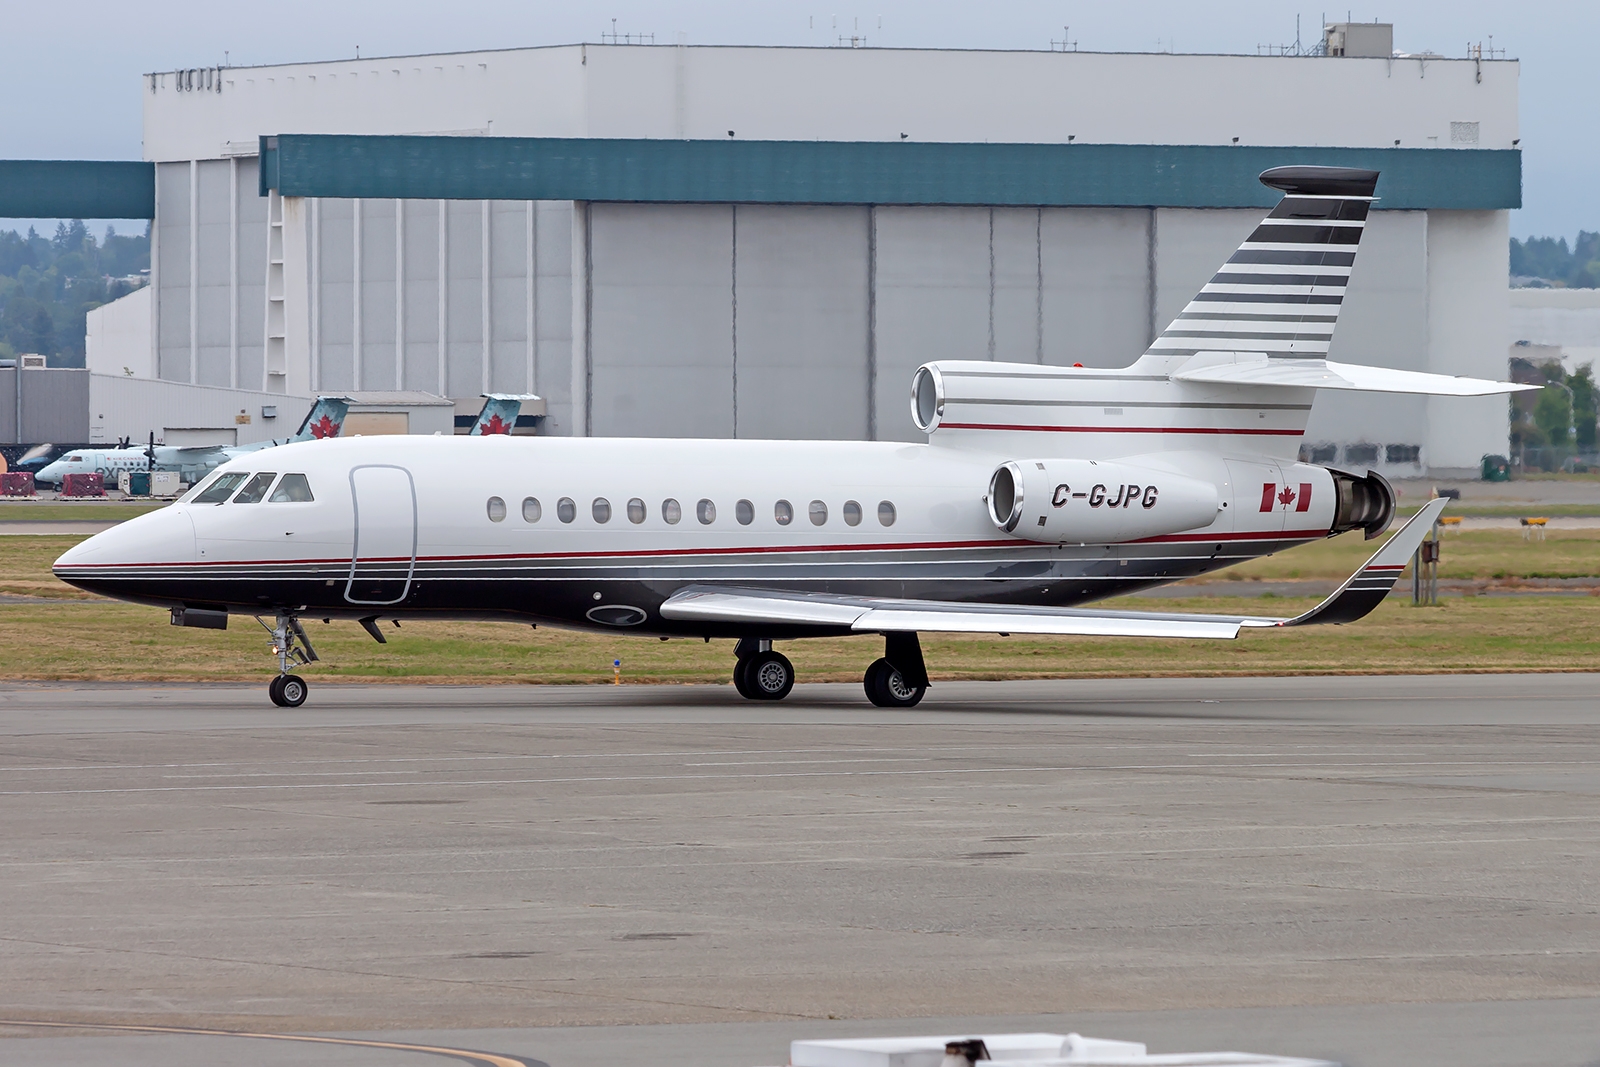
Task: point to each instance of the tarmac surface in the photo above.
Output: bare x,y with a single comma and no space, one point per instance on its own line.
1376,870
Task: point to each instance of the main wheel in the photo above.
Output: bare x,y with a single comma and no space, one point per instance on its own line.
769,675
741,678
887,688
292,691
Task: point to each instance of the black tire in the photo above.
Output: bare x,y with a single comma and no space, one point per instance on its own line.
741,680
275,690
887,689
292,691
769,675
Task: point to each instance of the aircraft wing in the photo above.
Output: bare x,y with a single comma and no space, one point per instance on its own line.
1361,592
1257,368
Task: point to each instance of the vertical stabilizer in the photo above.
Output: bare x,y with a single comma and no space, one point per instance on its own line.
325,419
1281,292
499,414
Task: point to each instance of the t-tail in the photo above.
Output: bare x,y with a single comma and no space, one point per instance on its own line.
499,414
1281,292
1260,329
325,419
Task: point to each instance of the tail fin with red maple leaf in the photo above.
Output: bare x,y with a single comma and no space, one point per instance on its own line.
325,419
499,414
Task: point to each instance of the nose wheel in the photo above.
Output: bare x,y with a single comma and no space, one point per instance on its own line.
288,690
291,645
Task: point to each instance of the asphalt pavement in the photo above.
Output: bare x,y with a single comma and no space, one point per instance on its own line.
1375,870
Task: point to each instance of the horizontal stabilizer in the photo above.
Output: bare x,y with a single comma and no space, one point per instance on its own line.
1257,368
778,609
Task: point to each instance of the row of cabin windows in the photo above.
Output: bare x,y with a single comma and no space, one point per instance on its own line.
744,512
291,489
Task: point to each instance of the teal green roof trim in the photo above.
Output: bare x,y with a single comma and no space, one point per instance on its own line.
859,172
77,189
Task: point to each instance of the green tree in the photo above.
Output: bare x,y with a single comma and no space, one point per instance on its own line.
1585,402
1552,413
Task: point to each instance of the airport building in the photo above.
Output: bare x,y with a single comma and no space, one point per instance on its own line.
766,242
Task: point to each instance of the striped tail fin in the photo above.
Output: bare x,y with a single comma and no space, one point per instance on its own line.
1280,293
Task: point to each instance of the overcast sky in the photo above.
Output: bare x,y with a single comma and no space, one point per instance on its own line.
71,90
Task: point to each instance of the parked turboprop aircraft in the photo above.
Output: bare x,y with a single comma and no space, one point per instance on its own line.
1041,489
324,420
191,461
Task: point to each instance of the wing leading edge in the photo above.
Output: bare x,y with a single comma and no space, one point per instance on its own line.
1360,594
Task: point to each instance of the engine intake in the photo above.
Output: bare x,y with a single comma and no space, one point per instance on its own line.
1085,501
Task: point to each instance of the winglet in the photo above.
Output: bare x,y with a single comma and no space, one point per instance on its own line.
1366,588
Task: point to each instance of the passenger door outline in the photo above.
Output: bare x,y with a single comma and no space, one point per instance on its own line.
355,538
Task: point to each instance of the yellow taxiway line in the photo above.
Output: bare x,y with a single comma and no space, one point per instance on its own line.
490,1059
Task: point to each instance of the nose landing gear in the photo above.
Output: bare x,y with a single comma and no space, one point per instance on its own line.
291,645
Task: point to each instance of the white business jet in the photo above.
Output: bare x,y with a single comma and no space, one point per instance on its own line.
1040,491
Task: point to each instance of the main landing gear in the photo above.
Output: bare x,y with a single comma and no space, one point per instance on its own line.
899,679
759,673
291,645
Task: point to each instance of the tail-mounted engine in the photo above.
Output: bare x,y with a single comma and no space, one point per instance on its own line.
1361,503
1082,501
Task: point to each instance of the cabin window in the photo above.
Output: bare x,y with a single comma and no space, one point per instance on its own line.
745,512
885,513
294,489
222,488
818,512
706,512
566,510
783,511
531,511
671,511
497,509
852,513
636,511
601,509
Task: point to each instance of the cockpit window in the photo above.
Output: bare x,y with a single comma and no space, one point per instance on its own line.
256,488
294,489
74,459
222,488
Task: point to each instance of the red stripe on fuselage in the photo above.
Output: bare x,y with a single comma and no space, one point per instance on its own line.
1266,535
1121,429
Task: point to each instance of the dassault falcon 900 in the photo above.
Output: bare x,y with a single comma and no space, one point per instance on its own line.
1040,490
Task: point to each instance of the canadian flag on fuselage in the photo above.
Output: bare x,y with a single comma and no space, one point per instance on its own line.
1274,498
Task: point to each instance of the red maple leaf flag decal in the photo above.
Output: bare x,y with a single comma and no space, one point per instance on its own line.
496,425
324,427
1286,497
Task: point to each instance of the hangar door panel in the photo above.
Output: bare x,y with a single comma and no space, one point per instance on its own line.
1383,322
802,322
933,300
1095,271
661,320
384,553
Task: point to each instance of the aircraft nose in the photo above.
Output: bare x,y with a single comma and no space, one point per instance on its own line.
132,550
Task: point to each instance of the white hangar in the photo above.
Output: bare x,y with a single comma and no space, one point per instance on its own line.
766,242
